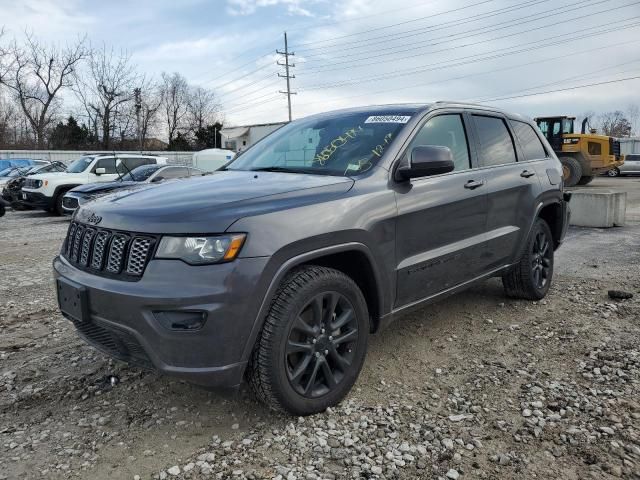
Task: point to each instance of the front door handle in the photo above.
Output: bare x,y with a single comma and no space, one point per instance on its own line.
527,174
471,184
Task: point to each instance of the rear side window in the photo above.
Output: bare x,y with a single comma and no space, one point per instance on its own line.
496,146
532,147
445,131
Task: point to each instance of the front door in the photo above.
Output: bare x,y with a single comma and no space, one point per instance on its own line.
441,219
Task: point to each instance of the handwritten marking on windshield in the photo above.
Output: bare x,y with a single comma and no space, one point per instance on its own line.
378,150
335,144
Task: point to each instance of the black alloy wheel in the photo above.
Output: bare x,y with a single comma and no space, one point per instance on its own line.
541,259
320,346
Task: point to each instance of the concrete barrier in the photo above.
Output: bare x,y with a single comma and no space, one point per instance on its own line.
598,208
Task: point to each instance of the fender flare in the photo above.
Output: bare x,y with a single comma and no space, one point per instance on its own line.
293,262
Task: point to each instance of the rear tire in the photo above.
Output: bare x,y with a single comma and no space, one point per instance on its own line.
571,171
313,342
530,278
585,180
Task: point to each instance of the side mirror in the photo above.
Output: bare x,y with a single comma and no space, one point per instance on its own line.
100,171
427,160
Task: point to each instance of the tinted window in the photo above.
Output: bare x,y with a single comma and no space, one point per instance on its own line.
172,172
496,145
445,131
109,165
531,145
134,162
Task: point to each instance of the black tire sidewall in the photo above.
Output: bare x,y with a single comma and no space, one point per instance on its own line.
575,170
57,209
291,400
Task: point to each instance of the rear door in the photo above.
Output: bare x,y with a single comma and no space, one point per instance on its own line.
441,219
512,182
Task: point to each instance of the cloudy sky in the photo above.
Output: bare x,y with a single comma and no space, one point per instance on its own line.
358,52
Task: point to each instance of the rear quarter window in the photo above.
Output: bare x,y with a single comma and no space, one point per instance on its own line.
532,148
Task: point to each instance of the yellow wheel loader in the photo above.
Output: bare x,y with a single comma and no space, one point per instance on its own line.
583,155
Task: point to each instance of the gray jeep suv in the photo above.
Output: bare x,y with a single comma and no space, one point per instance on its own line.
278,268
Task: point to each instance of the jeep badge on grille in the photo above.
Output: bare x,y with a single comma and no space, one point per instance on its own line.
94,219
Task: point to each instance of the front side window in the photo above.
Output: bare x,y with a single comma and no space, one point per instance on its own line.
341,144
79,165
532,147
109,165
496,145
445,131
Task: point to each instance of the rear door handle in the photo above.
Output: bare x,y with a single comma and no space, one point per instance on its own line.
471,184
527,174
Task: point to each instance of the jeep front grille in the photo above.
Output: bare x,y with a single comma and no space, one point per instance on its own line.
108,252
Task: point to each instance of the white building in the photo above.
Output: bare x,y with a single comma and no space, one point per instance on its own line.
629,145
241,138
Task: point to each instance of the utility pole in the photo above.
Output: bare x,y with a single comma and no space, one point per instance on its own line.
137,92
287,66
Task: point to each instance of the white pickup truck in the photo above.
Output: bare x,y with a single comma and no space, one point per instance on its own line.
46,190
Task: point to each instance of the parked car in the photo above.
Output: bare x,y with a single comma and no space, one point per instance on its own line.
278,268
12,191
142,174
11,173
631,166
19,162
47,190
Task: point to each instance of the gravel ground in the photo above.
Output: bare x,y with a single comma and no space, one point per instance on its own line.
476,386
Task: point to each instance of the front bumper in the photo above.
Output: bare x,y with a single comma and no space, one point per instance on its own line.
36,200
122,318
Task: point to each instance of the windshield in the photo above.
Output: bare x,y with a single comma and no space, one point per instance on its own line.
79,165
141,173
343,144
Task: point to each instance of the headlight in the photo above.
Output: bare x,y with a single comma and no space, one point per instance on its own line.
201,250
37,183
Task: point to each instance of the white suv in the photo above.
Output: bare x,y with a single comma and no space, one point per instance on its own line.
46,190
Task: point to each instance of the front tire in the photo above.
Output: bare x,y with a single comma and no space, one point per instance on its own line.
614,172
313,342
530,278
57,209
571,171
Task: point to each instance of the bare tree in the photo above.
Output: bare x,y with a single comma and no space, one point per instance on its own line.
106,87
147,106
36,74
614,124
175,101
203,108
633,114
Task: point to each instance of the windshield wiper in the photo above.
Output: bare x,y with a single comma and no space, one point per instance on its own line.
278,169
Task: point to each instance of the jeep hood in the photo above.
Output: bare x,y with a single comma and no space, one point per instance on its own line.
210,204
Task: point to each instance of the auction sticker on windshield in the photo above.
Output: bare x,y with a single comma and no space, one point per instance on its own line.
387,119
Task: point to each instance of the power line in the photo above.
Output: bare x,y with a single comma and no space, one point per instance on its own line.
471,75
564,89
489,28
399,23
339,65
477,57
429,28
